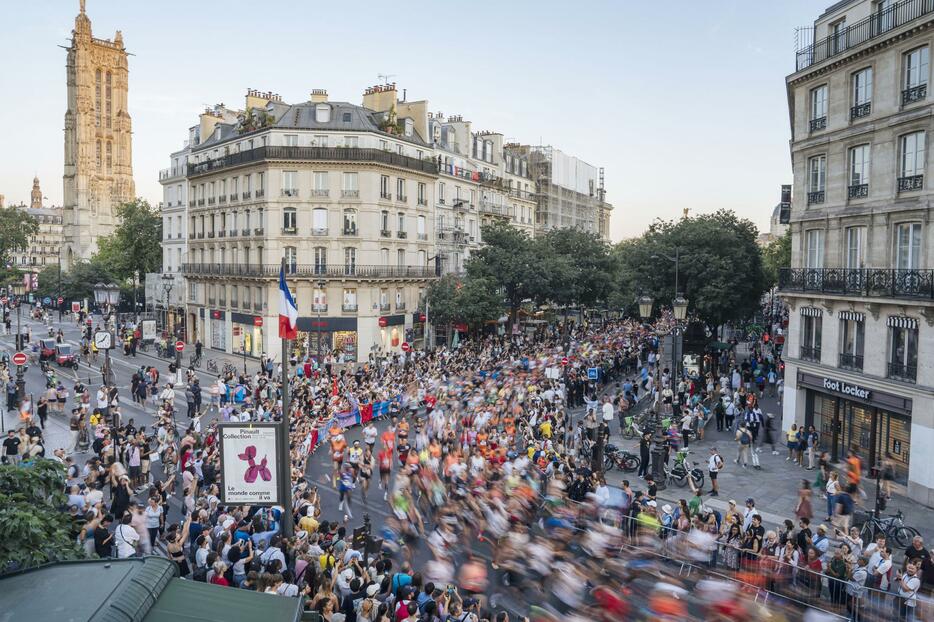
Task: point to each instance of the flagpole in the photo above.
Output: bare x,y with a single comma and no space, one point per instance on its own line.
284,458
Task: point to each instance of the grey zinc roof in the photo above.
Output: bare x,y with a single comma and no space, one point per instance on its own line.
302,116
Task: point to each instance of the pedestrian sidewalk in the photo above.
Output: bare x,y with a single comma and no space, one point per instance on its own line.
774,487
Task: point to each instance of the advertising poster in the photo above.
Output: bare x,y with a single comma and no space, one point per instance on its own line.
149,330
248,464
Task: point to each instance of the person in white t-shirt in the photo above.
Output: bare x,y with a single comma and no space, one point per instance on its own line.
908,586
126,538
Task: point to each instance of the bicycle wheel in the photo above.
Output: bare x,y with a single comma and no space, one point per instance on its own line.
629,433
868,531
904,535
697,476
608,463
680,478
631,463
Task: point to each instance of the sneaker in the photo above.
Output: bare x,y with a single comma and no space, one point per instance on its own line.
714,493
786,459
736,461
774,453
744,466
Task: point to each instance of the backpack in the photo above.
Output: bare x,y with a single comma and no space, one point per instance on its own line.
200,574
720,462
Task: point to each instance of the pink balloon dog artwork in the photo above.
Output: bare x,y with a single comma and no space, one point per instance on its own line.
254,470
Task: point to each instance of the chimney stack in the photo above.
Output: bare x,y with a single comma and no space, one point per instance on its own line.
319,96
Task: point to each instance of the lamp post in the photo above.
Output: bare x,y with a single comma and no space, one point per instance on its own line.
168,282
658,438
18,288
679,306
135,306
321,285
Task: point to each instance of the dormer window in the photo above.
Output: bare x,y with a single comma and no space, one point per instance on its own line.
217,133
322,113
345,117
408,127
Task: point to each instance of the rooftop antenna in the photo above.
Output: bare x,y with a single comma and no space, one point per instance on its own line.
385,77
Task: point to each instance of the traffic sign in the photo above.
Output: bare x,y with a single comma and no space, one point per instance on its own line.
383,322
47,300
4,300
19,358
564,360
592,373
60,300
405,346
76,307
257,321
179,345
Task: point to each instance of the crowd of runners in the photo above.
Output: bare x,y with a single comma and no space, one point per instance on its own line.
497,507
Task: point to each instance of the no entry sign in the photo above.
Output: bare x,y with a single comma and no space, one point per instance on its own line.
19,358
179,345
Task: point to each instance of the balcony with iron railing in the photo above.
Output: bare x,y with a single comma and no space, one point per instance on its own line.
222,198
349,230
858,34
859,282
496,209
901,371
290,192
851,361
810,353
815,197
246,195
386,196
350,194
337,271
858,191
233,197
402,235
401,198
319,231
860,110
211,201
385,233
385,306
910,183
320,192
260,193
326,154
289,230
914,94
818,124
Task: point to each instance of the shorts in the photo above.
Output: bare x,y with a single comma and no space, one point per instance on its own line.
713,475
134,472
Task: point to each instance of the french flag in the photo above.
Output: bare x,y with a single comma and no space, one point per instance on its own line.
288,311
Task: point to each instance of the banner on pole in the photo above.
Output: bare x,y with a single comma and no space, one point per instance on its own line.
249,469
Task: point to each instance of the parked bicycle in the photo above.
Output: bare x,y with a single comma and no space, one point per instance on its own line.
621,459
230,369
893,526
212,366
195,361
682,469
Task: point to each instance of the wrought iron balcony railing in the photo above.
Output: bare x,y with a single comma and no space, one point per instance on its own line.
810,353
332,154
815,197
819,124
911,182
858,191
914,94
876,25
851,361
337,271
900,371
865,282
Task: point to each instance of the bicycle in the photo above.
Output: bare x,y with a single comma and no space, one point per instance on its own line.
621,459
892,526
195,361
678,474
212,365
230,369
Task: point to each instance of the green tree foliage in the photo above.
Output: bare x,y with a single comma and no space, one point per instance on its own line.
512,262
77,283
135,244
581,269
17,228
461,298
721,271
34,529
777,254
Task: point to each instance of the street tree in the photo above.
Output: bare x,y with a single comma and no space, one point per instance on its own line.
77,283
512,263
463,298
581,268
135,244
17,229
720,267
34,528
775,255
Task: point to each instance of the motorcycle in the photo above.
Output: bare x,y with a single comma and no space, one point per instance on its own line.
620,459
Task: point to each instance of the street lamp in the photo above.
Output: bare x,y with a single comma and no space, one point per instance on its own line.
168,282
321,285
658,439
645,307
18,289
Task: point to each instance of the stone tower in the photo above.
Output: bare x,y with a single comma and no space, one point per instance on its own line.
98,151
35,198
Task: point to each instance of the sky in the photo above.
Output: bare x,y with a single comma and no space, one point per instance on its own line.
683,103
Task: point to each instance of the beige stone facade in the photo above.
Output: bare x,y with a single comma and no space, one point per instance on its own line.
98,153
860,345
44,247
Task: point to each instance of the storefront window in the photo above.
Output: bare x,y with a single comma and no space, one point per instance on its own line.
345,346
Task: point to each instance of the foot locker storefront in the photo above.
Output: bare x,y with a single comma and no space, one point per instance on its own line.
851,416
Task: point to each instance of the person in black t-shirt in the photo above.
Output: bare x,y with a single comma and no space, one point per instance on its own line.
103,538
11,448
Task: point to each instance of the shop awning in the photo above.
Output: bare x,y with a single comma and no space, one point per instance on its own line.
183,601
